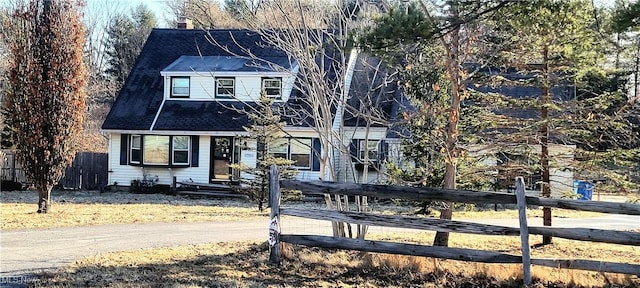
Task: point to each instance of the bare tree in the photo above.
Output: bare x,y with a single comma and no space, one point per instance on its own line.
316,36
45,97
204,14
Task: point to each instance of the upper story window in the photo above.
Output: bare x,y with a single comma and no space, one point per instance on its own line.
225,87
272,87
179,87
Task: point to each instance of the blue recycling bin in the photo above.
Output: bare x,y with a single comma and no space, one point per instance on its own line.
584,189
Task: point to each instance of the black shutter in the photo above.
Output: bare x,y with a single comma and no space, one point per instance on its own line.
195,150
384,151
124,148
315,154
353,149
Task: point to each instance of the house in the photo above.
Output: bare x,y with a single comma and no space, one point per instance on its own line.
522,157
182,111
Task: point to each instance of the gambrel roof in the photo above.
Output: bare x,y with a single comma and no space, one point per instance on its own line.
139,105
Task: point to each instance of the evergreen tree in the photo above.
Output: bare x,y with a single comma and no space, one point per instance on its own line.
549,47
453,30
265,129
126,36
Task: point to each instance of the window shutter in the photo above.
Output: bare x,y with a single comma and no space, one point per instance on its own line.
124,148
353,149
383,151
315,154
195,150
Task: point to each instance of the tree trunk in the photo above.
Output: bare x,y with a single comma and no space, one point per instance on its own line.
457,89
544,143
44,200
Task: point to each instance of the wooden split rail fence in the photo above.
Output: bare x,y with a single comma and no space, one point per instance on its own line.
460,196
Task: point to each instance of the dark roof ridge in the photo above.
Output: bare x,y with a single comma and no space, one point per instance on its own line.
205,30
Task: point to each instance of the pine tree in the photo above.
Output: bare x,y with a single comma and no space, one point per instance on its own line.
550,47
452,30
265,129
126,36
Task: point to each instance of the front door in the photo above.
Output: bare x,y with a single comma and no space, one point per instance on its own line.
221,156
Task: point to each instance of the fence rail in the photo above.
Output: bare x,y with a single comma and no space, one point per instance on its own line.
462,196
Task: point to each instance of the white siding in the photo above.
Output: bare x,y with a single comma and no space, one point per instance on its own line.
561,171
247,88
123,174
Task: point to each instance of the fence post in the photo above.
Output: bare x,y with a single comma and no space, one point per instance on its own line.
13,168
174,186
524,230
274,225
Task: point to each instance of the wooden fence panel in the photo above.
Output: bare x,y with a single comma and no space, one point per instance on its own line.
430,194
459,196
89,170
10,168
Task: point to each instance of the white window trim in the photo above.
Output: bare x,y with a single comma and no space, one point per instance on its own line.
179,95
289,153
280,88
131,149
310,152
156,163
233,88
173,150
361,150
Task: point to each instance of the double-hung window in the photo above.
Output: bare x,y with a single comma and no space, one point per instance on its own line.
368,150
279,148
225,87
301,153
296,150
135,153
272,87
180,150
180,87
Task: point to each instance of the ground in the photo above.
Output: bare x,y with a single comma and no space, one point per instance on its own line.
244,264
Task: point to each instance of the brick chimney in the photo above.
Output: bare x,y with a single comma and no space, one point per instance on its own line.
185,23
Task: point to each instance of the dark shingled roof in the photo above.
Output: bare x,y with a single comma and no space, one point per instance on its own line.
139,100
184,50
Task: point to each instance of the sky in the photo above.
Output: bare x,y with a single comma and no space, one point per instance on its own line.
159,7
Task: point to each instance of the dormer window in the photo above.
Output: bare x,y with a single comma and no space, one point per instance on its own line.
272,87
180,87
225,87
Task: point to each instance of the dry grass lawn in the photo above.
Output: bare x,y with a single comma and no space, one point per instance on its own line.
82,208
245,265
85,208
